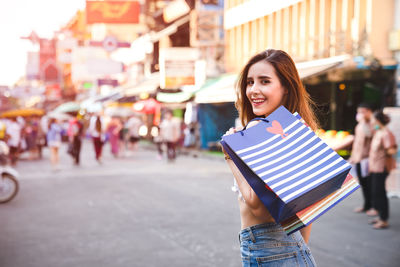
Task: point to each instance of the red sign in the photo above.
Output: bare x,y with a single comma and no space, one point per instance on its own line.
112,12
53,92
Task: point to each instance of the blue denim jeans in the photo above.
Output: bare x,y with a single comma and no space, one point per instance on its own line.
268,245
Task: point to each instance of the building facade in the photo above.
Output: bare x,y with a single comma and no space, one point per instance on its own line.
314,30
308,29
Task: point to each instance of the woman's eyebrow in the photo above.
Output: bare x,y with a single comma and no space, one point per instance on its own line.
264,77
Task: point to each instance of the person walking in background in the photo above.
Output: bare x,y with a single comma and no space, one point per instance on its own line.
31,137
133,126
383,148
75,133
113,130
42,134
13,130
54,142
123,137
96,130
359,155
269,80
157,139
170,131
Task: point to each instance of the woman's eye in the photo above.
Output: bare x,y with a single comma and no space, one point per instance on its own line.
250,82
264,81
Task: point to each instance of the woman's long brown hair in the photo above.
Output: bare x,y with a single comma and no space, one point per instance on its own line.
297,98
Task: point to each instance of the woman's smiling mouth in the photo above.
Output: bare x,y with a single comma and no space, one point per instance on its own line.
257,101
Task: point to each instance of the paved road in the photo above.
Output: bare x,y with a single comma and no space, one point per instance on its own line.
137,211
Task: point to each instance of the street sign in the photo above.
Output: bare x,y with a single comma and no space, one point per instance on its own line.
110,43
112,12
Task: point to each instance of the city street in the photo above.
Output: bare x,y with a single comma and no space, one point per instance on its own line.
139,211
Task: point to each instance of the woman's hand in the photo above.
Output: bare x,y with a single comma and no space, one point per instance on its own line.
232,130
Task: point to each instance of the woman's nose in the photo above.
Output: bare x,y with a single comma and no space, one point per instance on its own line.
254,88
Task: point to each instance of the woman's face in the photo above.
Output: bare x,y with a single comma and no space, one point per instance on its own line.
264,89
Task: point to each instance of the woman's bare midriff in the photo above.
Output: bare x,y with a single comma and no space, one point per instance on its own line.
247,217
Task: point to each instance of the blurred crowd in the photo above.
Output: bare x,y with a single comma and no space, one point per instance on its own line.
29,135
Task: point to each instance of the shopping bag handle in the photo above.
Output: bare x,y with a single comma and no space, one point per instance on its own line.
255,119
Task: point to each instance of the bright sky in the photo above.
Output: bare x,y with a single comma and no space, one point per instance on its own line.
18,18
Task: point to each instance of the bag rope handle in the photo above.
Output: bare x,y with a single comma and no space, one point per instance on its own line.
255,119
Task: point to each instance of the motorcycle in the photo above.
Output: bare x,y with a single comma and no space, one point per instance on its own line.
9,185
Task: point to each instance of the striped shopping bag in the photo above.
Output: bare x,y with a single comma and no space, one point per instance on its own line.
288,166
313,212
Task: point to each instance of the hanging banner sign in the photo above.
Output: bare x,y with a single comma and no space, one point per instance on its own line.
112,12
177,66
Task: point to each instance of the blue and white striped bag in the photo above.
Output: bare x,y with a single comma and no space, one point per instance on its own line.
288,166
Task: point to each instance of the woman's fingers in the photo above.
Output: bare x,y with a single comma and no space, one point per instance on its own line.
232,130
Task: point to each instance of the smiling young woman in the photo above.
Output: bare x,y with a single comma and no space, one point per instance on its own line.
278,67
269,80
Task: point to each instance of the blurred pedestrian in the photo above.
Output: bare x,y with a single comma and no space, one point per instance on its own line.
359,155
133,126
190,137
31,131
4,150
157,139
42,133
383,148
54,142
96,132
269,80
14,141
123,137
75,133
113,131
170,130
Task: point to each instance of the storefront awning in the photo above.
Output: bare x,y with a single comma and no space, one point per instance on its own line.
149,86
218,90
318,66
179,97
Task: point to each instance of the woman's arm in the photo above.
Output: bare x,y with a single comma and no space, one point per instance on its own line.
257,208
253,202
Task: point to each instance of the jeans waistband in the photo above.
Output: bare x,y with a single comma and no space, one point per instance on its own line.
260,229
273,230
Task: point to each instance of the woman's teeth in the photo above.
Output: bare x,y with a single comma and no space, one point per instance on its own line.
258,100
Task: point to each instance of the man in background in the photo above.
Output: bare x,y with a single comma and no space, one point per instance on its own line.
170,131
359,155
